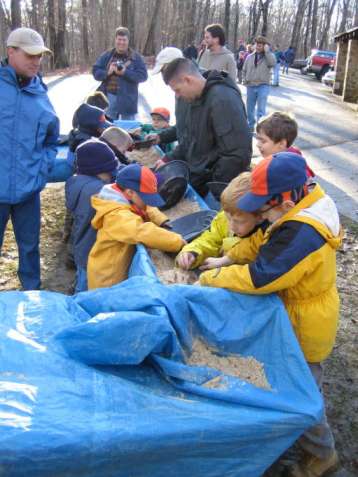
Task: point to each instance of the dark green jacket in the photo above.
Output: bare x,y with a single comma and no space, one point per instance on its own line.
216,141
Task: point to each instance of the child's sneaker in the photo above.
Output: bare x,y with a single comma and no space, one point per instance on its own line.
312,466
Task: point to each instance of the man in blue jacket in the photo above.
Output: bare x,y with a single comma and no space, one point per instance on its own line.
120,70
29,130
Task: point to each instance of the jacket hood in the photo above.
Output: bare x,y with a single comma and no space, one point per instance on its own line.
318,210
36,85
106,201
214,77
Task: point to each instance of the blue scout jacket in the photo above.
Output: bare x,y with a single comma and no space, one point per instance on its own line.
29,129
127,94
79,190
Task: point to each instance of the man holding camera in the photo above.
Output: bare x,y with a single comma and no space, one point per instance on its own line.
120,70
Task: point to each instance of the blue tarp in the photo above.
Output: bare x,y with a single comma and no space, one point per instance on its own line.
95,385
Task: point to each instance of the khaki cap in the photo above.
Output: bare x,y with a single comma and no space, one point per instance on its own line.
28,40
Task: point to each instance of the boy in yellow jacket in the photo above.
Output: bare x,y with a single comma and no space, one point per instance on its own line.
126,215
228,228
298,261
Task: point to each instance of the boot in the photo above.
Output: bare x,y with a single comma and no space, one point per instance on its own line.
312,466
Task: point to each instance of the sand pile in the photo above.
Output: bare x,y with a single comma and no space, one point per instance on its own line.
246,368
146,157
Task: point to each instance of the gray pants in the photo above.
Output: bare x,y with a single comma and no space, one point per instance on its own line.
318,440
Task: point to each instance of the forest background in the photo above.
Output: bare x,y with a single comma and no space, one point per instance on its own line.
77,31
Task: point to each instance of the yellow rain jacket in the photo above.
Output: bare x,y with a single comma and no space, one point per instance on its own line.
298,261
219,240
213,242
119,229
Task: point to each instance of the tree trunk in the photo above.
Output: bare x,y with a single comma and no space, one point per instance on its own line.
236,22
85,31
314,24
52,27
207,12
149,47
15,14
227,19
298,23
324,39
307,30
343,25
255,15
264,9
60,51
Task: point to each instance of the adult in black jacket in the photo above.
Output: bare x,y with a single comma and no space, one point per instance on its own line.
218,146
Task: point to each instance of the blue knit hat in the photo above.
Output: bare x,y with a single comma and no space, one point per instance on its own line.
90,119
94,157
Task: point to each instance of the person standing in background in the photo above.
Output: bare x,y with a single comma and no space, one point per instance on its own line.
276,69
120,70
257,78
217,56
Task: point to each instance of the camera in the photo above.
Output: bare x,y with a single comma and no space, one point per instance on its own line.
120,65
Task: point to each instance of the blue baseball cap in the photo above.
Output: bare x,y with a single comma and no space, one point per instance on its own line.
143,181
281,172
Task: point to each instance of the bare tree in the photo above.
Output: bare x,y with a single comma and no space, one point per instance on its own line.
254,19
236,22
85,31
15,14
314,24
307,28
345,10
227,18
149,48
206,13
298,23
264,7
328,17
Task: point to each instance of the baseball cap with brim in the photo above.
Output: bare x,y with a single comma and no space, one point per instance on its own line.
143,181
28,40
165,56
274,175
162,112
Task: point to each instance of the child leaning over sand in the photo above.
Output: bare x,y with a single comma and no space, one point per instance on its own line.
229,227
297,260
126,215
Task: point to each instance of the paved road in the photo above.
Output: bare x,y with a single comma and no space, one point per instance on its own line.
328,135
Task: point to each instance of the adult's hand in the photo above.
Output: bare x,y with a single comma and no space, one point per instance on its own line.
153,137
121,71
266,48
112,69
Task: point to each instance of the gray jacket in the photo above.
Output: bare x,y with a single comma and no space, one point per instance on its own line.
260,74
222,61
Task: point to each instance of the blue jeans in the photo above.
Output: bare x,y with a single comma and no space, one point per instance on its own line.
276,75
26,220
256,95
285,67
81,280
112,110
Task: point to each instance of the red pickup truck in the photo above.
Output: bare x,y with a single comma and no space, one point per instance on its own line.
319,62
